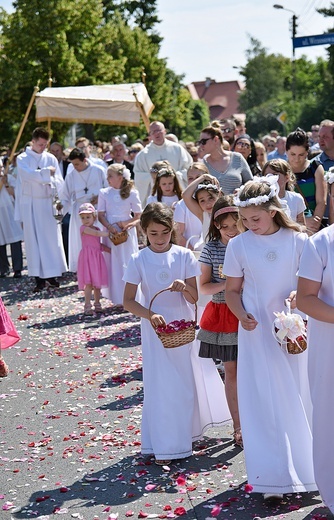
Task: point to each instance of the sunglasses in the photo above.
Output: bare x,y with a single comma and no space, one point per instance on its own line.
203,141
243,145
226,130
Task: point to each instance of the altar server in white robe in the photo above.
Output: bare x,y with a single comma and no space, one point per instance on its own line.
38,183
82,184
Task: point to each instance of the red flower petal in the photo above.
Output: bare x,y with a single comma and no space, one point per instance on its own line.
180,511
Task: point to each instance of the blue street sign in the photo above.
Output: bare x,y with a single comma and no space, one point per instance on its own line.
318,39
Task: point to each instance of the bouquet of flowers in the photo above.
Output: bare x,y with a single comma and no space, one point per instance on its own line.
290,331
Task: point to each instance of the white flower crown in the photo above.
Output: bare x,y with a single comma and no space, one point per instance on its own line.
271,180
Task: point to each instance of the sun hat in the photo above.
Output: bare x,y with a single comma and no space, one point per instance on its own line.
87,207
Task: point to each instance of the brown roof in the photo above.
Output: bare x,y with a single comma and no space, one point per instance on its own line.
221,97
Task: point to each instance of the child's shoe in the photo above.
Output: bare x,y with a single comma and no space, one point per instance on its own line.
3,368
98,308
88,311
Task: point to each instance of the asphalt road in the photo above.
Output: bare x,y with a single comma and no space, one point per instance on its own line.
70,426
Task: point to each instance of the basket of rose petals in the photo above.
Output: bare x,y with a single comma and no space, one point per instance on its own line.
177,332
290,331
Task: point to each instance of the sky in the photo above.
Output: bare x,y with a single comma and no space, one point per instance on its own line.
208,38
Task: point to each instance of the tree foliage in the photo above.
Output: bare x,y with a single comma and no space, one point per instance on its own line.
275,84
140,13
74,43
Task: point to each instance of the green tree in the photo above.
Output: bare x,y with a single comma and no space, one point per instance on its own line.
140,13
268,79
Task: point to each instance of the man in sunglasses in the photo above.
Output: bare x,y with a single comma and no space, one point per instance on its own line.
228,128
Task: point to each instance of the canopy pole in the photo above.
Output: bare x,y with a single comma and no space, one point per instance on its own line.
49,85
142,112
26,115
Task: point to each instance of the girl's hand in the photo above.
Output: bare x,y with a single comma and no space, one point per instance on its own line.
94,200
248,322
292,299
157,320
178,286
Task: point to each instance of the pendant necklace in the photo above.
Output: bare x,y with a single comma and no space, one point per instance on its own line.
86,182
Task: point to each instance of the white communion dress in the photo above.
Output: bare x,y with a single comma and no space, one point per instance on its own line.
171,418
317,264
273,389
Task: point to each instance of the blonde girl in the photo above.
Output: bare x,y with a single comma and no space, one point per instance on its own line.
166,187
287,183
119,208
273,392
92,270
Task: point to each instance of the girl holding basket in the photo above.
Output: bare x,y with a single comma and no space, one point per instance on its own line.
170,419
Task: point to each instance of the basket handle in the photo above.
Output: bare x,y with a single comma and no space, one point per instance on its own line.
164,290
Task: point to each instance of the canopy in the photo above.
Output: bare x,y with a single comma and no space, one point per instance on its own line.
107,104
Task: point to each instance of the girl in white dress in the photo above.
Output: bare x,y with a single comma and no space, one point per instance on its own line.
315,296
287,183
119,208
166,187
200,197
273,389
170,412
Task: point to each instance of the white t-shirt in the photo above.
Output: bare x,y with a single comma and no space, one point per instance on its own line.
295,202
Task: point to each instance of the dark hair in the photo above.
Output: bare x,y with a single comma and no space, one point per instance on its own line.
213,132
77,153
159,214
40,133
223,202
166,170
281,166
254,189
297,138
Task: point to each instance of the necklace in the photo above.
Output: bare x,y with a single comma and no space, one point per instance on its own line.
85,181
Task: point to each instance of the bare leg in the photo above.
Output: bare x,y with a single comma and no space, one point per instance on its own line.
232,397
97,297
88,295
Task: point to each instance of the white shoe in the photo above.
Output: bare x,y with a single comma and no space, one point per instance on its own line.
272,496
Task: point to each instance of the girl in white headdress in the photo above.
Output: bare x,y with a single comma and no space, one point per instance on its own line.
273,390
119,209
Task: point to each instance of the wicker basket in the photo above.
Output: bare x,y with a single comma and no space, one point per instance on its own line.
293,347
178,338
119,238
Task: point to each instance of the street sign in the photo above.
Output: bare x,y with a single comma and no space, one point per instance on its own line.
318,39
282,117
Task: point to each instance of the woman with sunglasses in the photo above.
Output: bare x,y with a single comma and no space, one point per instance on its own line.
229,168
245,145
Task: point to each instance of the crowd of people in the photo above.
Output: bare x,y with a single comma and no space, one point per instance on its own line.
241,226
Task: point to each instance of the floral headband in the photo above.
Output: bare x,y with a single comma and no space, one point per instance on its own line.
126,173
205,187
269,179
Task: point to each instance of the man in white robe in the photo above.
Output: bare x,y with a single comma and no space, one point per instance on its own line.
38,183
82,184
159,149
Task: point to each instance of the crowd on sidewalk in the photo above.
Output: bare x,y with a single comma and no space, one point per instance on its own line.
239,227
